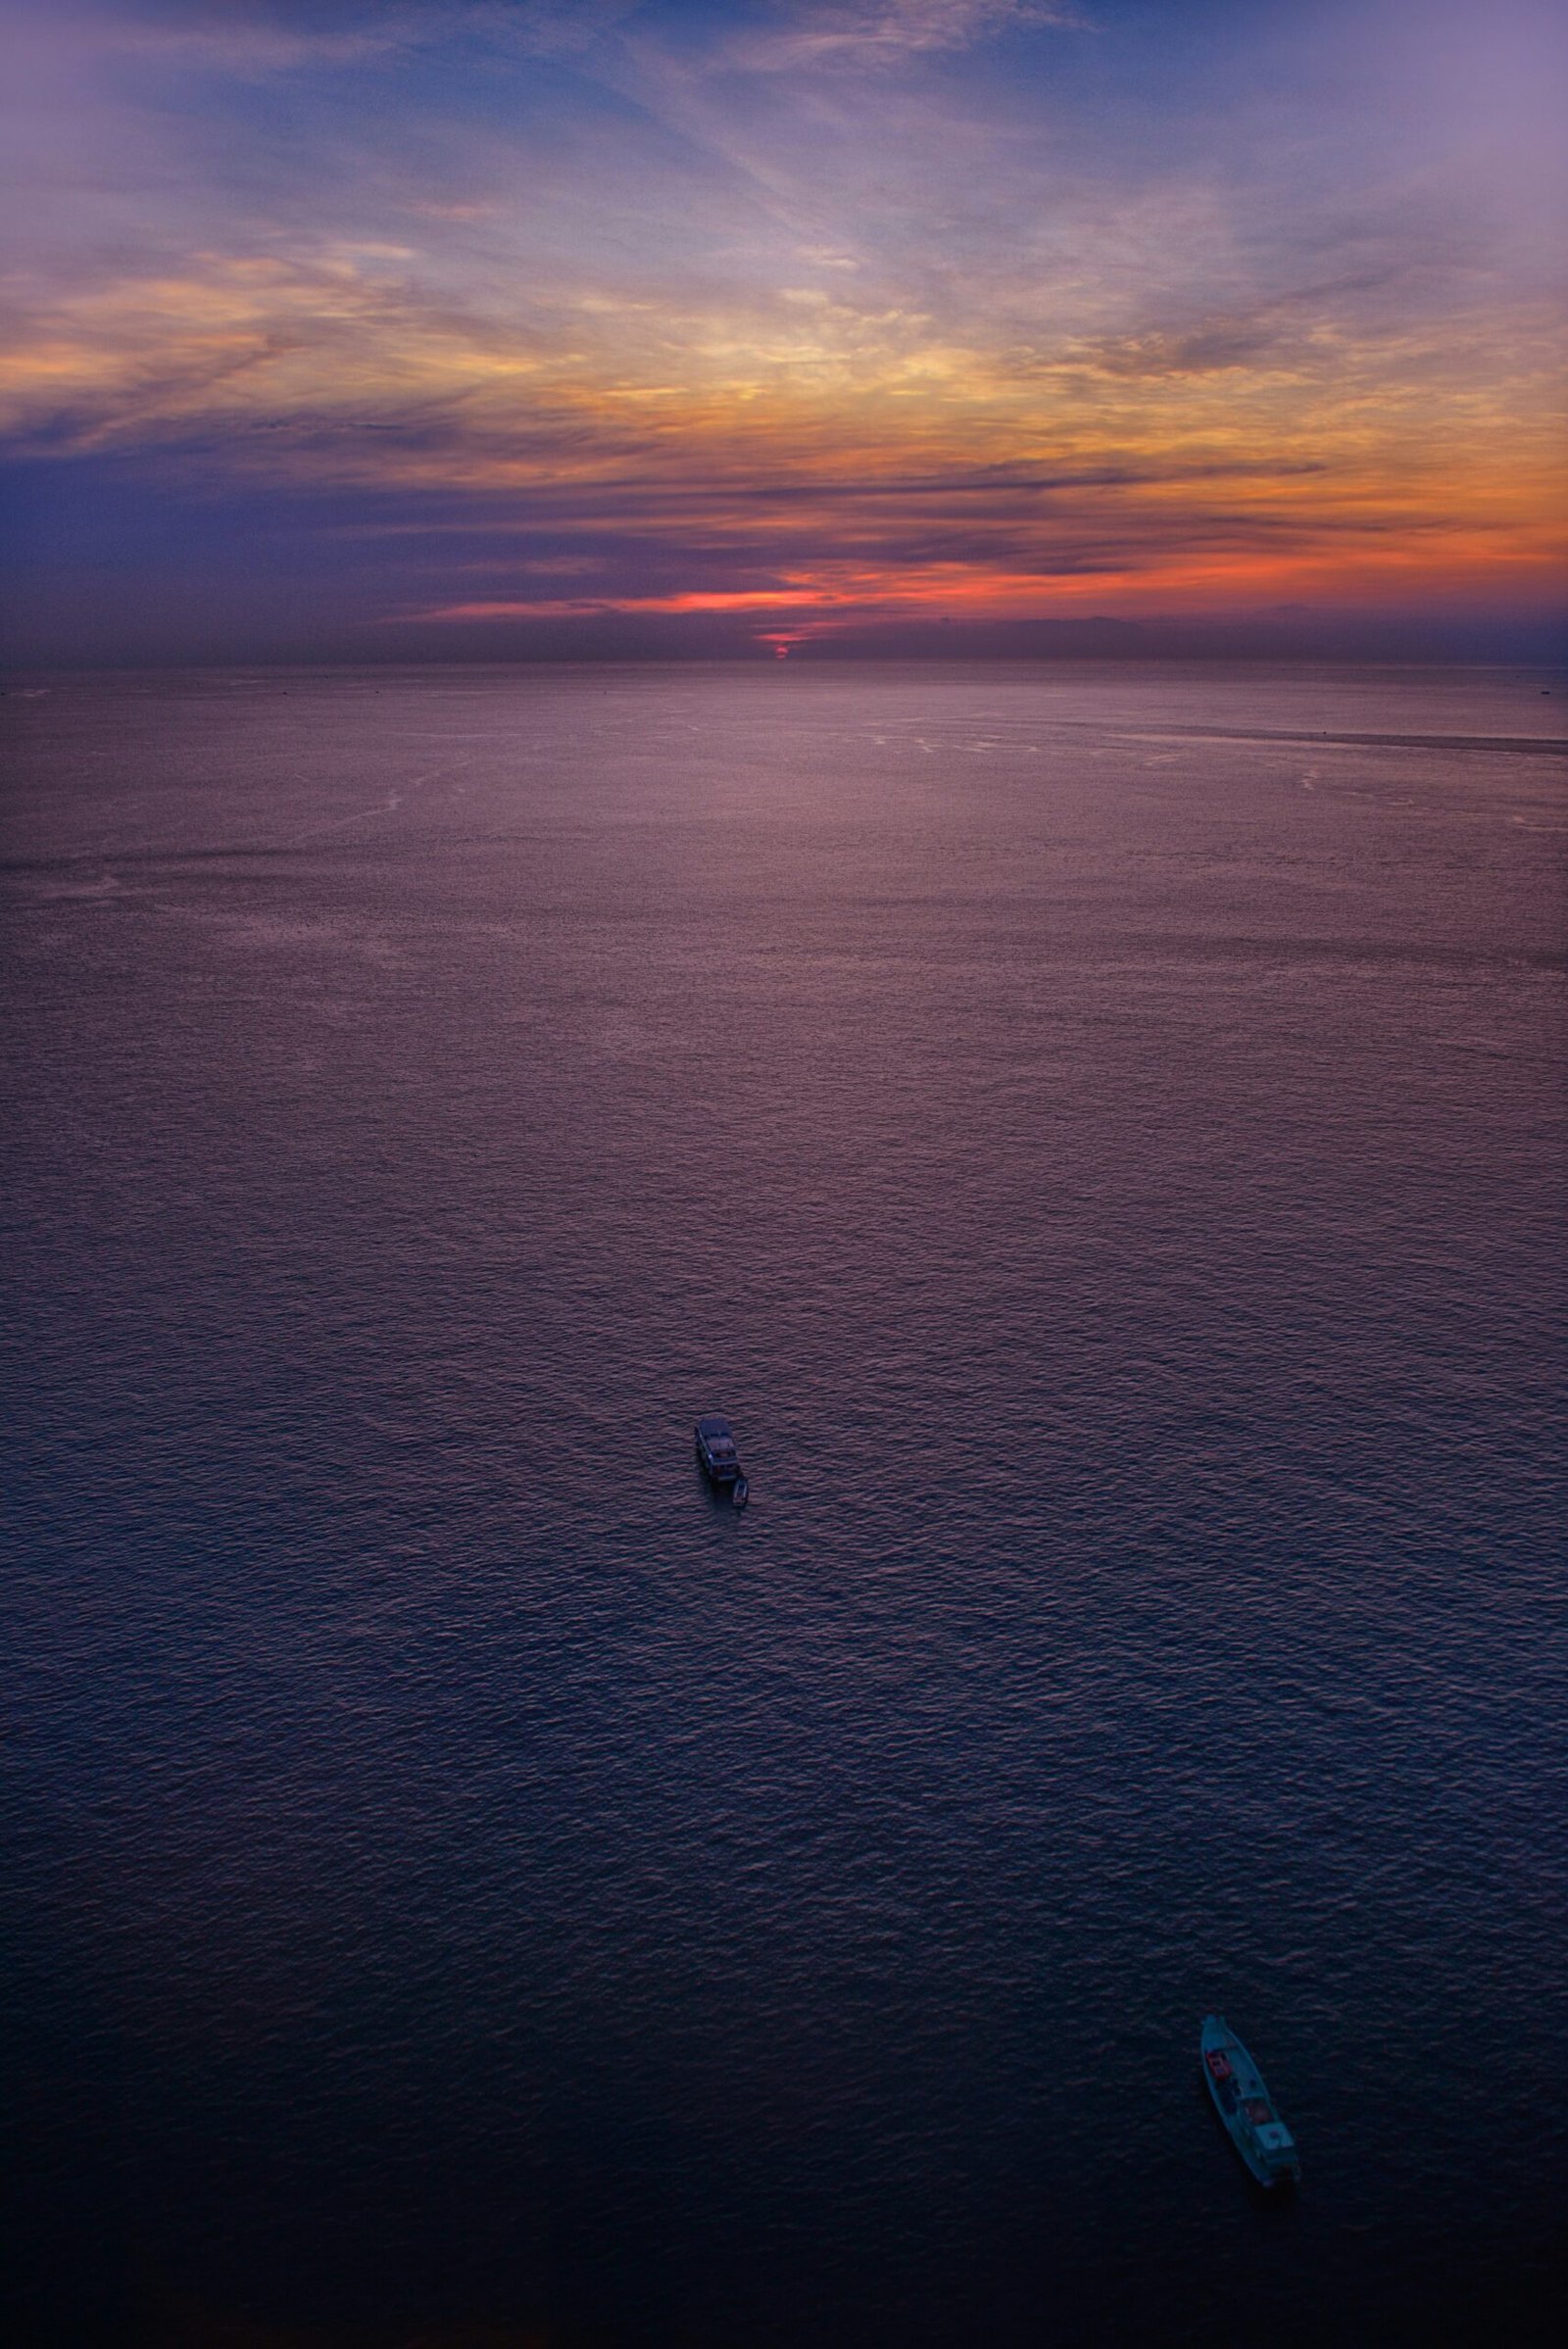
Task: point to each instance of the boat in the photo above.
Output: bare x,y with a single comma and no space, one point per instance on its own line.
1245,2106
720,1462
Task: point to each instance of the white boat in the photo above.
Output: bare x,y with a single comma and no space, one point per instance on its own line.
715,1449
1245,2106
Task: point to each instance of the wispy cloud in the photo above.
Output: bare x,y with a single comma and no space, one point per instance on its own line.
884,32
252,38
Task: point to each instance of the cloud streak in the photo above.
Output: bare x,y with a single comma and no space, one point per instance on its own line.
885,32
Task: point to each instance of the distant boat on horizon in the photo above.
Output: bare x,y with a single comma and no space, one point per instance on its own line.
1246,2107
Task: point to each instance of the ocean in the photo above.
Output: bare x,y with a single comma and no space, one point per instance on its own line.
1098,1131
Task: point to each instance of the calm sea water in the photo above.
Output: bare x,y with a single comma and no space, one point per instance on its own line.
1098,1132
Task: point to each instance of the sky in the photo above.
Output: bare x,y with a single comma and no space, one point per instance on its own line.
511,328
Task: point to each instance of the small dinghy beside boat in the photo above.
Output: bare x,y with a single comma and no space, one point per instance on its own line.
1245,2106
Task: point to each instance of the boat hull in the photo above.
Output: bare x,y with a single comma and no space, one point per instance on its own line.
1245,2109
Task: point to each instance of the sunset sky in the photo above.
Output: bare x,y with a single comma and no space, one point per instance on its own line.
507,326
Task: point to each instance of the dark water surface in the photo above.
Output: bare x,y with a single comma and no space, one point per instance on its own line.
1098,1132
